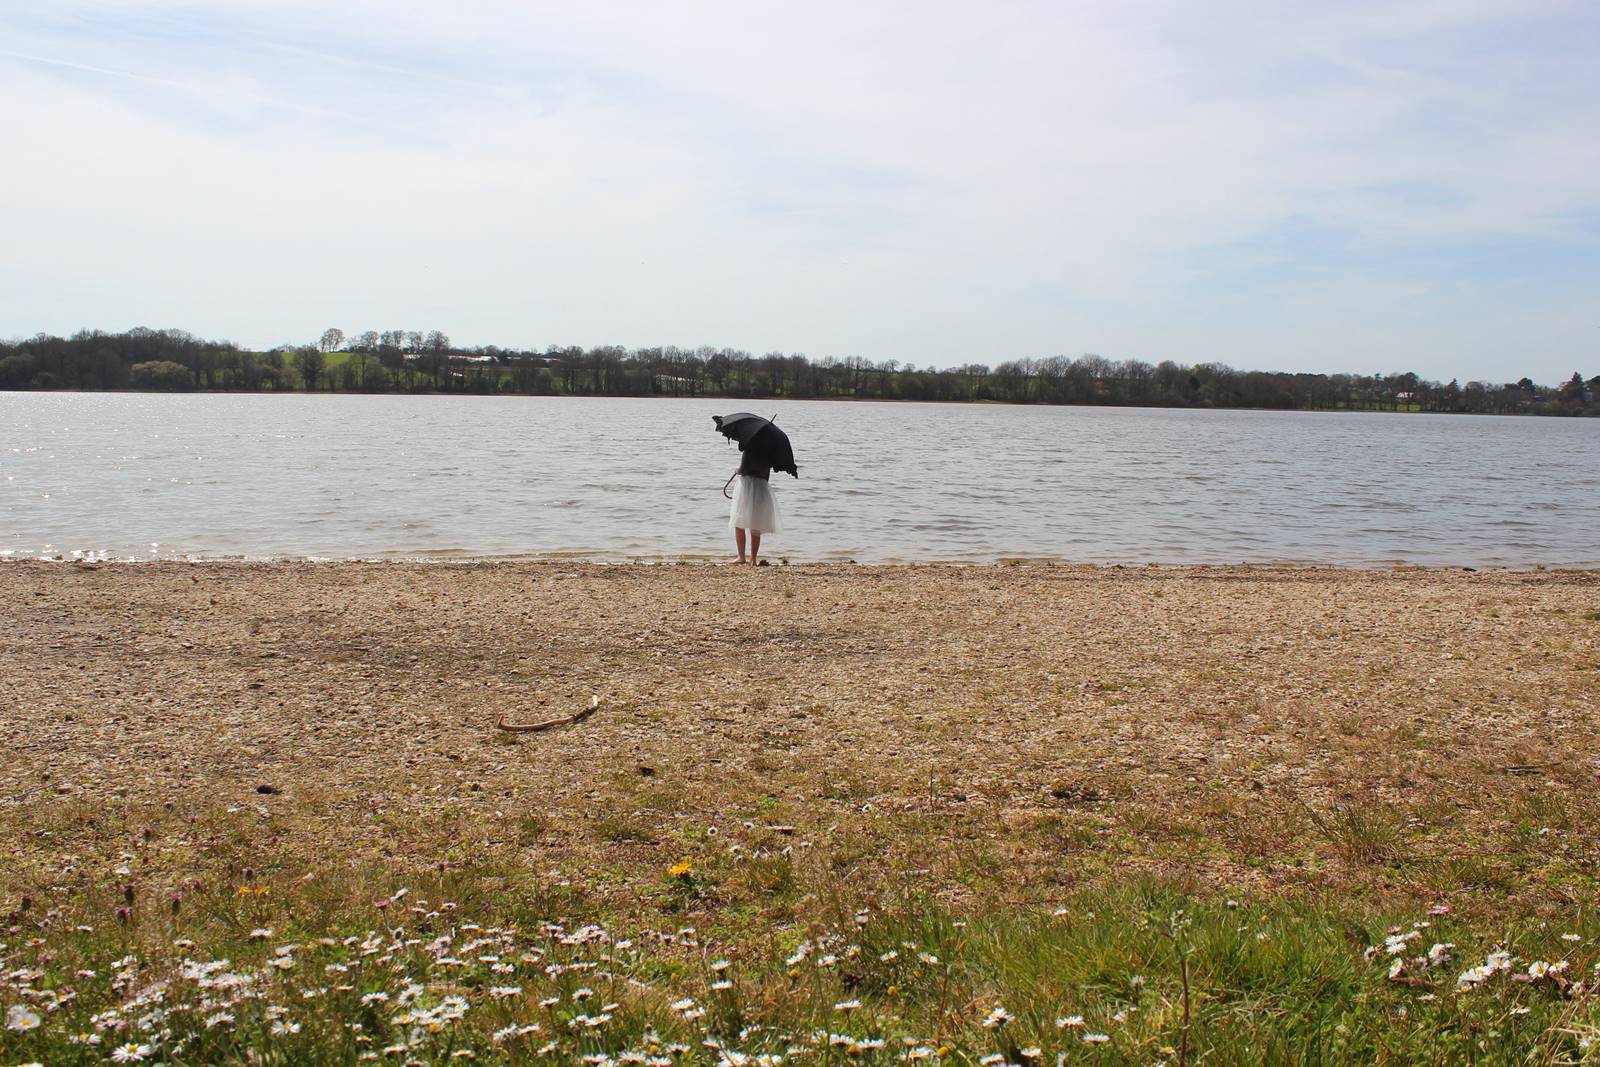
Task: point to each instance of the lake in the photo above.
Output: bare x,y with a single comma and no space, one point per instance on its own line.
142,476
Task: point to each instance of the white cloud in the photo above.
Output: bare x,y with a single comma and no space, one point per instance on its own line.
932,183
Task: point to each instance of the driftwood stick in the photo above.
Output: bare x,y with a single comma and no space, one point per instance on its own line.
565,720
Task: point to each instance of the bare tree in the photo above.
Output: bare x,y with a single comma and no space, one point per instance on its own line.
332,338
433,354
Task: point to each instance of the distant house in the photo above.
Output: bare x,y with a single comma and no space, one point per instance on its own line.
667,383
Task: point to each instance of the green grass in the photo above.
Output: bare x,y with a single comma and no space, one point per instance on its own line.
491,966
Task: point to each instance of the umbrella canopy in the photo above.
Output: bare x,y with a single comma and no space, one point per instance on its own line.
760,438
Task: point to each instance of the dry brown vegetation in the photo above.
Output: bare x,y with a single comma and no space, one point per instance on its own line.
983,734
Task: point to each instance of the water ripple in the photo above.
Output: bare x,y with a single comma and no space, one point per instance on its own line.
142,476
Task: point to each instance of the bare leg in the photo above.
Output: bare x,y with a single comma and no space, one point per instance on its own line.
738,539
755,546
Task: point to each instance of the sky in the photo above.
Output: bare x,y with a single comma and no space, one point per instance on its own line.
1284,185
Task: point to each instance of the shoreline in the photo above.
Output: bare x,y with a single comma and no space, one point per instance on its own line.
799,400
713,561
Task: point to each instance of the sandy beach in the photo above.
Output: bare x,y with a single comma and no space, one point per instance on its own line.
990,732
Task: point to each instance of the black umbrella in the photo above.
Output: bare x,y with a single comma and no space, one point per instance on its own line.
759,438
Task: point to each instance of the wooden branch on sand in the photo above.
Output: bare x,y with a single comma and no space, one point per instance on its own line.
565,720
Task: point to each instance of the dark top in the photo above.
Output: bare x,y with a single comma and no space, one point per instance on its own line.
749,465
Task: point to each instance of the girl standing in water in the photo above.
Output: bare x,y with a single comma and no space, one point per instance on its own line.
754,507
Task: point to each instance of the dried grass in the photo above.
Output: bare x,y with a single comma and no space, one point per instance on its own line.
976,734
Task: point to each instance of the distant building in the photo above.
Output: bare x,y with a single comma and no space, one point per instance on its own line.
667,383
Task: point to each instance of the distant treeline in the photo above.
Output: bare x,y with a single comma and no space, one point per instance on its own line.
415,361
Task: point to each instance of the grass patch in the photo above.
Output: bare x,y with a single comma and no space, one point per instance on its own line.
492,967
1361,832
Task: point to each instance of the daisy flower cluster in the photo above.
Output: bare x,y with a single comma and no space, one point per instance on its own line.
430,986
1411,956
426,985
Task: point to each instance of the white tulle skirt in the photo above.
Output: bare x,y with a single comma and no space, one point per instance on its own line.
755,506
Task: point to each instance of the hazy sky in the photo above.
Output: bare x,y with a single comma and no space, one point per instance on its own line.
1279,184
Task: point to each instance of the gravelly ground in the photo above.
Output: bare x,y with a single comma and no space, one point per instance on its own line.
999,730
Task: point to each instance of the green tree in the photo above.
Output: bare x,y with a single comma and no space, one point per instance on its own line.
310,363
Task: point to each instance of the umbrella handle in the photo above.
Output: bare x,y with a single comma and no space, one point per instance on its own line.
727,483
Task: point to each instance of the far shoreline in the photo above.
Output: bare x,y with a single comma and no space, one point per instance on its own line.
758,400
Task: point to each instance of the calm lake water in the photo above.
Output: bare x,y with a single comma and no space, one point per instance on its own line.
141,476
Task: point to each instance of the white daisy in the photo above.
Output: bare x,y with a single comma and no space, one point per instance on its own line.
21,1019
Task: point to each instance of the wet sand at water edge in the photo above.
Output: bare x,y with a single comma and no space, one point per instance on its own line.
1006,732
